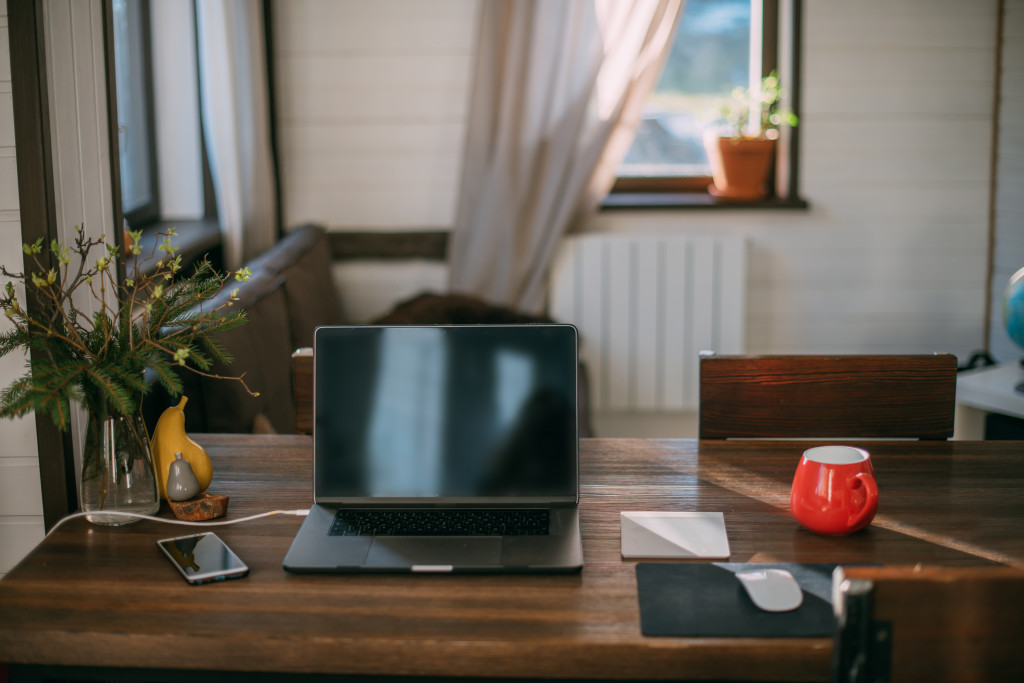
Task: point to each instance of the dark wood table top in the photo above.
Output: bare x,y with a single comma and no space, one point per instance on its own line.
93,596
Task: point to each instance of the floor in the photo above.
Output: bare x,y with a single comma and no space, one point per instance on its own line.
645,425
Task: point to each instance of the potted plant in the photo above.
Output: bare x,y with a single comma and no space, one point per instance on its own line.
93,339
741,148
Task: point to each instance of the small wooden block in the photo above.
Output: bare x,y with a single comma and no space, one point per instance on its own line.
204,506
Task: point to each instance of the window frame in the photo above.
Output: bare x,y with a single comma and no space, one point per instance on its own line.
780,50
197,238
149,212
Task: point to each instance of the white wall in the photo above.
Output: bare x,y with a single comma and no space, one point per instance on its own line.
895,151
21,504
1009,223
179,153
896,148
371,108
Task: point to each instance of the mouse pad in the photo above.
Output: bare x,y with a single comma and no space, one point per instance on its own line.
707,599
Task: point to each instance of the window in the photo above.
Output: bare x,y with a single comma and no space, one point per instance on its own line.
720,45
139,195
165,179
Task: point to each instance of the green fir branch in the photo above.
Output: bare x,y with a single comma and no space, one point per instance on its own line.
113,397
151,321
166,375
216,349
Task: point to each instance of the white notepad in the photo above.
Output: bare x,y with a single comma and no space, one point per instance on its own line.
674,534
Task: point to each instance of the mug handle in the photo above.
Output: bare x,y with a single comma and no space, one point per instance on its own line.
871,490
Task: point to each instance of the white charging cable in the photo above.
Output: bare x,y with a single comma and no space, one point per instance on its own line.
166,520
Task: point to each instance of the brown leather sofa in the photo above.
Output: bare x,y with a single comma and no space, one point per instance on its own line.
289,293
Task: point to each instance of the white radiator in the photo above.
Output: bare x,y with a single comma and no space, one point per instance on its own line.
645,306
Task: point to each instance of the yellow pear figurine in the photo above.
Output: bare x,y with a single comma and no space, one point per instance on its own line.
169,437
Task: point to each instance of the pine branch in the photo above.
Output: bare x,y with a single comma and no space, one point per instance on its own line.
217,349
13,340
113,394
166,375
98,359
46,390
131,374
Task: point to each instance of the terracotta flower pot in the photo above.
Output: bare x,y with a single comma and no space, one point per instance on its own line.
739,166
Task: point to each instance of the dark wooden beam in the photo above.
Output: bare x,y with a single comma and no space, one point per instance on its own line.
770,37
275,144
114,154
795,98
350,245
691,200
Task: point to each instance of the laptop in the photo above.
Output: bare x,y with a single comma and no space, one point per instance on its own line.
444,448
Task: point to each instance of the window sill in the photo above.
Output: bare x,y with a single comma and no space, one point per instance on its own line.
691,200
194,240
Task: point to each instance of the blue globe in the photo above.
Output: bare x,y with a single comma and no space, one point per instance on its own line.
1013,308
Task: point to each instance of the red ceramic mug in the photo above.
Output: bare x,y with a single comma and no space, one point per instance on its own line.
834,490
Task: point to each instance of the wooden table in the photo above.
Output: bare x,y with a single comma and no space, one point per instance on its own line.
96,599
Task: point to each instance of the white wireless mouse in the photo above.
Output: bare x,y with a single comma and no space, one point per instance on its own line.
773,590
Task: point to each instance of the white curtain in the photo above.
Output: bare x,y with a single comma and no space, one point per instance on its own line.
236,124
558,92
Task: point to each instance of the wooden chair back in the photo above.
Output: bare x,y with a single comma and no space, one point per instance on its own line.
302,388
819,396
930,624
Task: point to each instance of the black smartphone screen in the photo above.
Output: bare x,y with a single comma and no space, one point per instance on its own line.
203,557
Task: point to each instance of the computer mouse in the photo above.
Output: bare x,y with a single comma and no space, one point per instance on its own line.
773,590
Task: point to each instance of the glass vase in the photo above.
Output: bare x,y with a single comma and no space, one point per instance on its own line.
117,470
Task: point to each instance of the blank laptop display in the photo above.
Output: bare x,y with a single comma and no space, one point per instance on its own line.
443,448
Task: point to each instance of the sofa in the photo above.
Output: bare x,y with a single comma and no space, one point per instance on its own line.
289,293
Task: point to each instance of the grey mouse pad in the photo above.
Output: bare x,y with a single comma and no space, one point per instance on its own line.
707,599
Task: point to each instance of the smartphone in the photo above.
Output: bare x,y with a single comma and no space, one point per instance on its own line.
202,558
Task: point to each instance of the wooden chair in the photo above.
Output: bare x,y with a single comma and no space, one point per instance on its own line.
928,624
818,396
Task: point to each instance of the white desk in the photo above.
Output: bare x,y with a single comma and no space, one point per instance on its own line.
987,390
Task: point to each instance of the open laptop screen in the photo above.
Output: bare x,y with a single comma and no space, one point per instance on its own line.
445,412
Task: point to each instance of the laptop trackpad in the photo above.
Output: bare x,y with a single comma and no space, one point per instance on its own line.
405,551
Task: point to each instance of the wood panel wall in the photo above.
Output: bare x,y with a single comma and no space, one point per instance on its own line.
371,109
371,105
21,505
72,37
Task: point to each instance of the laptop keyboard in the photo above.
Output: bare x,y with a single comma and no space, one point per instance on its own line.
460,522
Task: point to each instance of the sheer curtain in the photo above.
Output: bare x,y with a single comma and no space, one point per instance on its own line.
558,92
236,125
